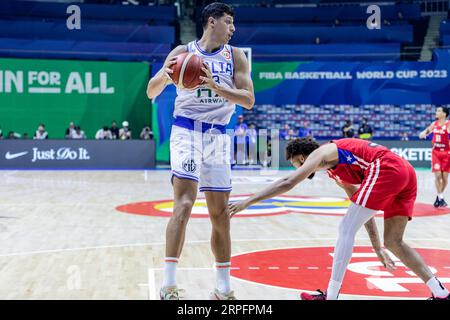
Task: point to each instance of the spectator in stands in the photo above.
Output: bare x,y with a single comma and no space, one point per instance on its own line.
305,130
114,130
404,136
386,22
292,133
284,133
337,23
365,130
25,136
103,134
347,130
240,131
1,133
69,131
41,134
146,133
400,15
13,135
317,41
125,132
78,133
252,144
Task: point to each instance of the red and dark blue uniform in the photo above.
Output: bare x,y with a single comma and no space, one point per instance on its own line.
387,182
440,156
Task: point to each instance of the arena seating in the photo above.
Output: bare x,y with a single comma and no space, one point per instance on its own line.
112,32
277,32
445,32
387,121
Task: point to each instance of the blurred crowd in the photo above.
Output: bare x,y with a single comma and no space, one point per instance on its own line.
112,132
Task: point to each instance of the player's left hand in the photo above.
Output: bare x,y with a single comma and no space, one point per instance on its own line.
208,81
385,259
236,207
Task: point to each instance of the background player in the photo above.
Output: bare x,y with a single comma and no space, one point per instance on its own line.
440,156
199,156
386,182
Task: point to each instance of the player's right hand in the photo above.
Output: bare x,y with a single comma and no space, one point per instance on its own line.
236,207
385,259
167,70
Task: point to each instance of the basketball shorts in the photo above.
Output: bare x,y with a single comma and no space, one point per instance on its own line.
201,152
440,161
390,184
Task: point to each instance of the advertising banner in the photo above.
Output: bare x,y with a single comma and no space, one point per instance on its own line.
77,154
56,92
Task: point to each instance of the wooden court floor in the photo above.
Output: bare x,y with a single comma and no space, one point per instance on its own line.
100,235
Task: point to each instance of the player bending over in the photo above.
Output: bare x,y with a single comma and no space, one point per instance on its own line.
375,179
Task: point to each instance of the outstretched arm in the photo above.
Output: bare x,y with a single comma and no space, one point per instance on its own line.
243,94
318,159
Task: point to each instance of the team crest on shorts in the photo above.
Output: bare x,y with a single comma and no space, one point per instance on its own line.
437,166
189,165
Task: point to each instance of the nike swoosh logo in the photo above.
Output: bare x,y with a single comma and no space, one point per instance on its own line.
10,156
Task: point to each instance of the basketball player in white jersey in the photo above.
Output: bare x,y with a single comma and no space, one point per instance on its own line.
199,148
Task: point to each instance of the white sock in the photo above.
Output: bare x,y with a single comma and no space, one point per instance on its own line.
437,288
333,290
440,196
223,277
170,269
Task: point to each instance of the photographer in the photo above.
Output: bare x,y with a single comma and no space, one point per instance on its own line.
146,133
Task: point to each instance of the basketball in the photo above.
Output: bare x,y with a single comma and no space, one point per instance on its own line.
187,71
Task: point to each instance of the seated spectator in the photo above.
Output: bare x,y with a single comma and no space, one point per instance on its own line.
25,136
365,130
305,131
125,132
78,133
404,136
41,134
114,130
284,133
146,133
69,131
103,134
1,133
347,130
13,135
317,41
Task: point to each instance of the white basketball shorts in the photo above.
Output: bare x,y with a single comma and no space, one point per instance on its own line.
202,155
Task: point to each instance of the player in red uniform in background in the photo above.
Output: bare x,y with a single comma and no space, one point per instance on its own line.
374,179
440,157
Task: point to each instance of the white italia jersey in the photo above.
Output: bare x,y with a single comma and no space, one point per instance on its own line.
202,104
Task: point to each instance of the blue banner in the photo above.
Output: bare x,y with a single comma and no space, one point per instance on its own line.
354,83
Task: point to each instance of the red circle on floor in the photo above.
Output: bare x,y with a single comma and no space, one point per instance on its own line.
328,206
309,269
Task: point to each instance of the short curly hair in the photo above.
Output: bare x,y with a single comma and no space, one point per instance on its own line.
301,146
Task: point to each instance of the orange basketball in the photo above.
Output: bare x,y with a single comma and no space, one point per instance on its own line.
187,71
